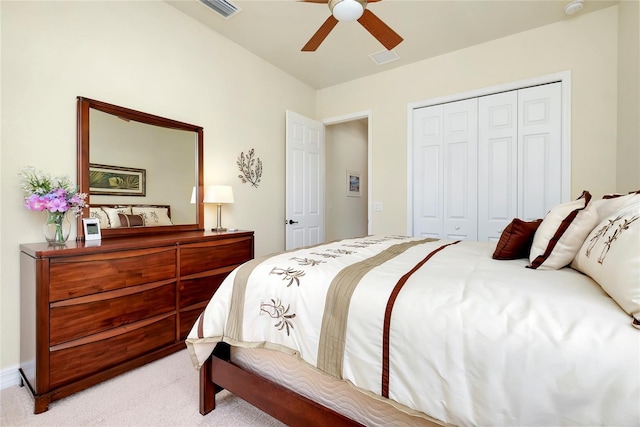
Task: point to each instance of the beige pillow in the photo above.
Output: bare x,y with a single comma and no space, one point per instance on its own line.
100,215
562,233
112,214
152,215
610,255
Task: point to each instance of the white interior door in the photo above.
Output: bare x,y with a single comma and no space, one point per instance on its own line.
304,221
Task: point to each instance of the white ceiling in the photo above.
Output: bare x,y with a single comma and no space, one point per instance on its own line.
276,30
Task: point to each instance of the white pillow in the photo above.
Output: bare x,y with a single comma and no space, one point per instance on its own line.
112,214
100,215
610,255
612,203
153,215
562,233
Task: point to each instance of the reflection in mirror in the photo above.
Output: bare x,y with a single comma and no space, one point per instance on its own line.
134,159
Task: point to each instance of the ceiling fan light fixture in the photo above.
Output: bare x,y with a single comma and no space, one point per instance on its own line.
347,10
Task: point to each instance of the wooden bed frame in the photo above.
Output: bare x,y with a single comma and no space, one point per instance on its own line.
291,408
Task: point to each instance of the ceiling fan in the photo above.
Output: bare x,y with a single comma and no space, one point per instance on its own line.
352,10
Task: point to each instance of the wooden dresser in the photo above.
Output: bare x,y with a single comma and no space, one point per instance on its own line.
93,310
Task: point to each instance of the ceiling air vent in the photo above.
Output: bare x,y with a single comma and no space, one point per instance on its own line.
384,56
224,8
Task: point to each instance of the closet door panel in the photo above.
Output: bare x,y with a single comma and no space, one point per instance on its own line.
461,169
540,145
428,174
497,160
535,177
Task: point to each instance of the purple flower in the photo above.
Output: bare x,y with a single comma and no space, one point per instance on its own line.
35,203
54,194
57,205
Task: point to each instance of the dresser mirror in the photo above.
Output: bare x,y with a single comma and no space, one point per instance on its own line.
145,164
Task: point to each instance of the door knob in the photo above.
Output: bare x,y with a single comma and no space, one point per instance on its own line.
290,221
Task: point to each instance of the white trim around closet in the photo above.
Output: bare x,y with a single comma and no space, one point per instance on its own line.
564,77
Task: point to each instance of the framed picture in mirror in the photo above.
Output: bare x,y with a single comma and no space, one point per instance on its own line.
116,180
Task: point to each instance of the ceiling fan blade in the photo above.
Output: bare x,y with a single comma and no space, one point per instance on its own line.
320,35
380,30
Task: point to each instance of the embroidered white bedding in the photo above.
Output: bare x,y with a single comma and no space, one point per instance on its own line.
440,327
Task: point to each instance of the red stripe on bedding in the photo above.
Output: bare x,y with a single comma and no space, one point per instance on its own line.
387,316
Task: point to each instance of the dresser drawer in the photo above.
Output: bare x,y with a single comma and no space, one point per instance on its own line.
89,274
187,320
194,291
68,363
198,257
82,317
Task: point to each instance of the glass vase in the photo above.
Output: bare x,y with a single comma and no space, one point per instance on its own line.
57,228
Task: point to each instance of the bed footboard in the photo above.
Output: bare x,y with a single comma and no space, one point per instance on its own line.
287,406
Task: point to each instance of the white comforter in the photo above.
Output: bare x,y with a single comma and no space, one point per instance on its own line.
473,341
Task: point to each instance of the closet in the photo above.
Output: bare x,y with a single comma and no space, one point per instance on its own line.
480,162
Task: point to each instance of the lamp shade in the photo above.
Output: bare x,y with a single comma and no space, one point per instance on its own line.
347,10
218,194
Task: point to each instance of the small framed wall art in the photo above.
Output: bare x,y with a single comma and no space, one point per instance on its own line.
354,187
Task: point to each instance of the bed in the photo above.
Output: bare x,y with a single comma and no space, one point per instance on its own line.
536,329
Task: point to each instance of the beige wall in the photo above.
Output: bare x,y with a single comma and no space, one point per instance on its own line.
628,167
345,149
170,66
586,45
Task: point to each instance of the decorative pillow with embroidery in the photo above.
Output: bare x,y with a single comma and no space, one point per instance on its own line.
515,240
562,233
610,255
611,203
112,214
152,215
100,215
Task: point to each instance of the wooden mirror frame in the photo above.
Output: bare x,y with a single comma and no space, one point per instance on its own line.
84,106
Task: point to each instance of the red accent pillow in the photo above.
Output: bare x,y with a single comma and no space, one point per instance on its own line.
515,240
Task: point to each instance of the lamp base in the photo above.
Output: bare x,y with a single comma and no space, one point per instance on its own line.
218,229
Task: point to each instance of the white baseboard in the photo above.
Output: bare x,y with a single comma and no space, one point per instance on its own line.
9,377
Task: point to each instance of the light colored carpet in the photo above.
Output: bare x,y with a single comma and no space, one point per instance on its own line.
162,393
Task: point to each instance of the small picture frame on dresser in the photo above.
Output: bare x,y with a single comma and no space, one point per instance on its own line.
91,228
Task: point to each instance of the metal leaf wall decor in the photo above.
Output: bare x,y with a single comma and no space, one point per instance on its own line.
251,168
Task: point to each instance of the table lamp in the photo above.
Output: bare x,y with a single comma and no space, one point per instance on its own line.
218,194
